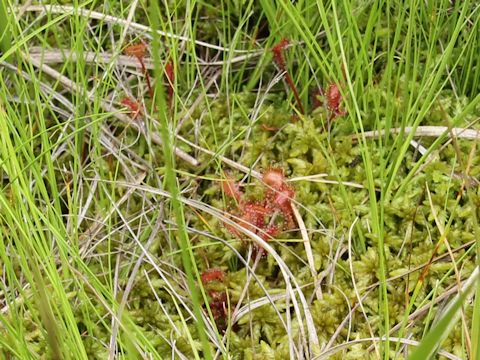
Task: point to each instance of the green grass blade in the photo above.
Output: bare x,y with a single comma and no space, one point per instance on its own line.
431,342
5,31
172,186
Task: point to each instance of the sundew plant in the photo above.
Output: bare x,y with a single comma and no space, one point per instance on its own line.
239,179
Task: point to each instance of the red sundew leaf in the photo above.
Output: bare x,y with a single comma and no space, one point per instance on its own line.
334,98
133,105
274,178
279,195
252,218
278,53
212,275
136,50
270,232
284,196
281,200
255,213
232,189
232,229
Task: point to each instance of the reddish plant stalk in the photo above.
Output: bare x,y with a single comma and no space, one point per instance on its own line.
290,83
138,51
147,77
280,61
170,74
266,127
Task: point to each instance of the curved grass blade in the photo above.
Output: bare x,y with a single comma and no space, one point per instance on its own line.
430,343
